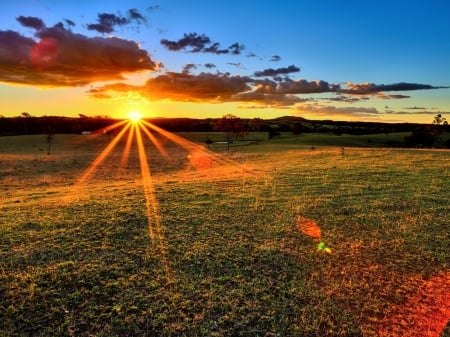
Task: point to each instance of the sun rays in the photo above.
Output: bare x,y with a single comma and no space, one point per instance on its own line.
142,138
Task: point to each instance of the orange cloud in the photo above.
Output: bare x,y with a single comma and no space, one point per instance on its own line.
79,60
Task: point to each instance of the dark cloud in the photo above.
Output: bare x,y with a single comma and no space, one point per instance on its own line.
275,58
215,49
384,96
69,23
31,22
236,48
62,58
107,22
210,65
295,87
188,67
14,53
193,40
370,88
195,43
133,14
278,71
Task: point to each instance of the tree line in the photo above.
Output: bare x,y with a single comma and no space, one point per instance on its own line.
233,126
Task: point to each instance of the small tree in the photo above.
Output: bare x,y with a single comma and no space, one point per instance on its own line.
233,126
438,120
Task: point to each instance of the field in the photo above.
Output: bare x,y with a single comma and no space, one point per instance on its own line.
198,242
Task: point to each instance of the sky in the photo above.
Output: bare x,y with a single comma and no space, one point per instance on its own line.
385,61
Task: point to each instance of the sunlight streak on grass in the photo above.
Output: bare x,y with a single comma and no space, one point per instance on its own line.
126,151
101,157
194,148
154,141
152,212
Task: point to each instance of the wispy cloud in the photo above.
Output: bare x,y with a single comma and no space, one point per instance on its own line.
370,88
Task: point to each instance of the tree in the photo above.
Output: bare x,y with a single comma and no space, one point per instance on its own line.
233,126
438,120
439,125
422,136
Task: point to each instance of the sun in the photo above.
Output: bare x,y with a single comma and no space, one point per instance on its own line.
134,116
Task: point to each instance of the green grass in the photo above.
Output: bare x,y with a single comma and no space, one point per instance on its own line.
227,258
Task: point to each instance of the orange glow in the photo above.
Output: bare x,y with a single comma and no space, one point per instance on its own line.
308,227
426,312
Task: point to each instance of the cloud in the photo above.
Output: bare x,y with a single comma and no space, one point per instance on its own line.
62,58
275,58
301,86
106,22
215,49
416,108
193,40
70,23
31,22
184,87
370,88
195,43
236,48
278,71
134,15
381,95
321,110
269,100
188,67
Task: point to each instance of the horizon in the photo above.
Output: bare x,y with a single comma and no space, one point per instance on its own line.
323,61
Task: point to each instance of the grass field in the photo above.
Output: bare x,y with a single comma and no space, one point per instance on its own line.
208,243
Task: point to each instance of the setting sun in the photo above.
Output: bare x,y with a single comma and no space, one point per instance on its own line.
134,116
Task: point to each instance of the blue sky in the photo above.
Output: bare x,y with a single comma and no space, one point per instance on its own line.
341,60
